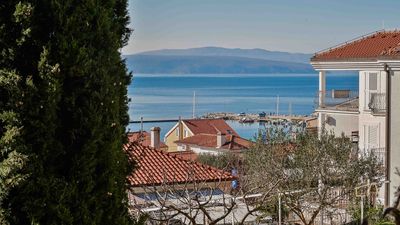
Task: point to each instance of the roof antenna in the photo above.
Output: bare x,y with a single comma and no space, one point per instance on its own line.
383,24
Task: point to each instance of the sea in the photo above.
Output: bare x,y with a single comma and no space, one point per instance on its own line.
170,96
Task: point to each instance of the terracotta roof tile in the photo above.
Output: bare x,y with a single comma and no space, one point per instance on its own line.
187,155
209,126
210,140
155,167
384,44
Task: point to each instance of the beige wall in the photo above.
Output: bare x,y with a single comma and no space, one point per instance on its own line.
173,136
395,134
341,123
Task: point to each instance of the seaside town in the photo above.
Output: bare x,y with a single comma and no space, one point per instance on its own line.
77,147
364,119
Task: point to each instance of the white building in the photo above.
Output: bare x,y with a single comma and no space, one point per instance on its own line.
364,114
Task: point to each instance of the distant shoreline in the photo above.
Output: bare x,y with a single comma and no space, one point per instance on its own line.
336,73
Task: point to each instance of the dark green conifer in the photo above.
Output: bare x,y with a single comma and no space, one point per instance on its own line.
74,112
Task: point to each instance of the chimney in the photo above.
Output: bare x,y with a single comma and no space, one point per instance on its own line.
155,137
221,139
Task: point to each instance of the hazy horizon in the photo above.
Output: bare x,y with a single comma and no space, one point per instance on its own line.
199,47
305,26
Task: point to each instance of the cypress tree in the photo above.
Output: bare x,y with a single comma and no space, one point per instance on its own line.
75,112
12,95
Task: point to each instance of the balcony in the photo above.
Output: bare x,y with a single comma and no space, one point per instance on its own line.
342,100
377,103
380,155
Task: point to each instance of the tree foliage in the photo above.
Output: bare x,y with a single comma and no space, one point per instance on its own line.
12,96
224,161
315,173
69,111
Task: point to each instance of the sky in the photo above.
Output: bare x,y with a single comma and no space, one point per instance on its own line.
304,26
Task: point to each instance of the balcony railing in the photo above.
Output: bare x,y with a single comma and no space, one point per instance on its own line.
337,99
377,102
378,153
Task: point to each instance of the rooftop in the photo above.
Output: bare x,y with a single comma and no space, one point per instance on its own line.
144,138
381,44
210,140
209,126
155,167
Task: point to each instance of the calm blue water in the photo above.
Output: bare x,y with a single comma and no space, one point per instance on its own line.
170,96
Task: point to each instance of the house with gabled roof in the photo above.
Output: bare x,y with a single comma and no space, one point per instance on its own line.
370,115
213,144
205,136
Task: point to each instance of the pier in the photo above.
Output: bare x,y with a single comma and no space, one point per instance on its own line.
230,116
255,117
154,120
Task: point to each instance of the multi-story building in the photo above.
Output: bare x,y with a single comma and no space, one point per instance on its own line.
368,114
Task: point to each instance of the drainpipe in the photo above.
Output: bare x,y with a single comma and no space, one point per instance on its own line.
388,115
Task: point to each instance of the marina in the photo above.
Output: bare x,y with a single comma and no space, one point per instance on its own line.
241,117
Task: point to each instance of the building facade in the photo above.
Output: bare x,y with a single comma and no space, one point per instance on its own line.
367,115
196,129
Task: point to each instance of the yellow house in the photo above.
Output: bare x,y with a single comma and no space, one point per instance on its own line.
191,127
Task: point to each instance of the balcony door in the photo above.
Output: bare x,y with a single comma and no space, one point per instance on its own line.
372,82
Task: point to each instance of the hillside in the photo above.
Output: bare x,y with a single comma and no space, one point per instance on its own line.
187,64
237,52
218,60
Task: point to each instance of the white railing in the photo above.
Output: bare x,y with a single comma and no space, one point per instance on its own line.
378,153
339,99
377,102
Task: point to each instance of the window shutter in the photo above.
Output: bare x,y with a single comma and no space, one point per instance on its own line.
372,136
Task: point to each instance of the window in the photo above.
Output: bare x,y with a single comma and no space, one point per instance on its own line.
371,136
177,131
373,81
371,88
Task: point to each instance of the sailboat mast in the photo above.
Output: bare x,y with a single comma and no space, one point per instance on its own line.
277,105
194,104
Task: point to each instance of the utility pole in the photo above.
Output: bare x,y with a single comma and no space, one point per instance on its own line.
279,209
290,108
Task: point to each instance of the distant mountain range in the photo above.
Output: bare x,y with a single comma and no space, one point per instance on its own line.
218,60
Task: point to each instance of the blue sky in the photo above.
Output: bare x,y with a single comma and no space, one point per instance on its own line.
285,25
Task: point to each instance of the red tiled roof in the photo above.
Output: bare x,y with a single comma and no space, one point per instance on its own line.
210,140
186,155
384,44
144,138
155,167
209,126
